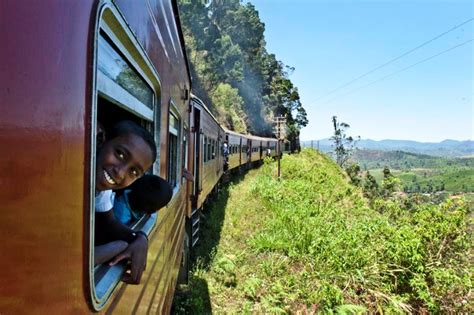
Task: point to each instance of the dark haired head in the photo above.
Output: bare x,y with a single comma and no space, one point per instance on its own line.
125,127
149,193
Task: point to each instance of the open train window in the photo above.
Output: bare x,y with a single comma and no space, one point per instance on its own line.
213,149
204,150
126,87
184,159
174,135
209,148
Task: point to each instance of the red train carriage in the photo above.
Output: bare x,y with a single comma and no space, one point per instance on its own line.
66,64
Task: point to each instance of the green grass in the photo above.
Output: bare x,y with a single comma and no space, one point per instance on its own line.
310,242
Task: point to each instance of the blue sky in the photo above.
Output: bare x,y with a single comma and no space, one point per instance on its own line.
332,42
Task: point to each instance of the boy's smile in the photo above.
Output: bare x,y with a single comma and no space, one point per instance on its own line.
121,161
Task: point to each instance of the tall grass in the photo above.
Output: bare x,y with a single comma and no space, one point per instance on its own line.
388,257
311,243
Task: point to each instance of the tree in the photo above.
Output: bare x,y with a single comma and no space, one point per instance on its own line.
353,171
390,183
226,51
228,105
371,188
343,144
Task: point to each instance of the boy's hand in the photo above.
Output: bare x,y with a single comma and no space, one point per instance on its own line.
136,252
187,175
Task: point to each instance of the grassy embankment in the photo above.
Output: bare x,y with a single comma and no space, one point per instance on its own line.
311,243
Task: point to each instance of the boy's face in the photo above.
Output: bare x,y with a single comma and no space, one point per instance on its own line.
121,161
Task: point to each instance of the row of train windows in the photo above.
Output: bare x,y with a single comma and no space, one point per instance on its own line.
209,149
234,149
127,88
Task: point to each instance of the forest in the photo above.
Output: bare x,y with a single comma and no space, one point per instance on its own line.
243,84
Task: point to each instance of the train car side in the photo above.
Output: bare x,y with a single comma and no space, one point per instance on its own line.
209,164
52,94
235,149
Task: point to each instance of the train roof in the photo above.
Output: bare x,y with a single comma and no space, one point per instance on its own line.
201,103
249,136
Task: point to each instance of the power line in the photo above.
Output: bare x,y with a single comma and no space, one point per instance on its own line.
401,70
395,59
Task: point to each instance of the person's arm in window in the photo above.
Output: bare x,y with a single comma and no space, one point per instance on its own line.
109,229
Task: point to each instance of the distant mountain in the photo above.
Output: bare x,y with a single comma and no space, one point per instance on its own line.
451,148
400,160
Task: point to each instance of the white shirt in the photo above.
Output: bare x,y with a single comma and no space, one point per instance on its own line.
104,200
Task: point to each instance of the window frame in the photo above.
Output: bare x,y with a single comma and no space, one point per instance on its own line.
173,111
104,279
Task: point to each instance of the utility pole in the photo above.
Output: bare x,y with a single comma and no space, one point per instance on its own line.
280,121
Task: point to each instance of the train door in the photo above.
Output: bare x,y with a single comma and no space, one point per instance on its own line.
197,156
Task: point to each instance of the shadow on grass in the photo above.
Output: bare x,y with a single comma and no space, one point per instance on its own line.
194,298
212,221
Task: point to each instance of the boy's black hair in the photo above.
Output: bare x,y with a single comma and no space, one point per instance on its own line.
149,193
127,126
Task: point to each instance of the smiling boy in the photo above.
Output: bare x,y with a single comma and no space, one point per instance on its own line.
127,154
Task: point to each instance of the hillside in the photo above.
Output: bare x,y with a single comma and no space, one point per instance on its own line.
418,172
311,243
447,148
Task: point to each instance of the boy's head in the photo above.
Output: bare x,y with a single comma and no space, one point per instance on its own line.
127,153
149,194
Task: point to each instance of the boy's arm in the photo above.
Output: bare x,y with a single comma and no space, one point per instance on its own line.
109,229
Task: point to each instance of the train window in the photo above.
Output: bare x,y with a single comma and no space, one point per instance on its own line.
204,149
209,148
126,87
184,160
213,149
173,148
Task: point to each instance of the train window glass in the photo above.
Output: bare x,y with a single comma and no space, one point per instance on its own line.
184,160
126,88
209,146
204,149
213,146
114,66
173,149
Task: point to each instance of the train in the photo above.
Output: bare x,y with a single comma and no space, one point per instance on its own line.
65,66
